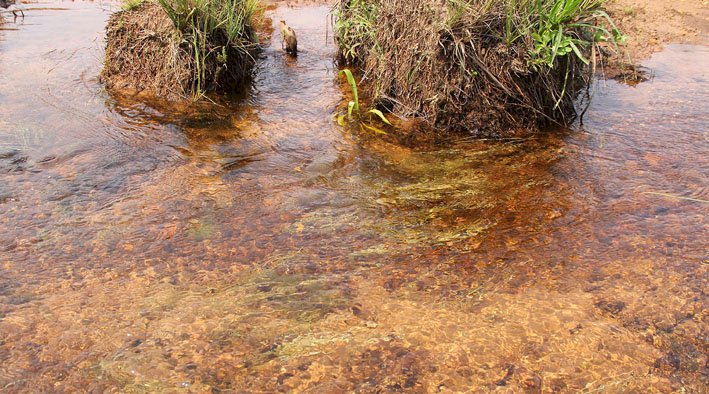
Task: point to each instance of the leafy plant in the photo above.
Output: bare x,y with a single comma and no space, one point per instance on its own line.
354,111
355,29
558,28
562,27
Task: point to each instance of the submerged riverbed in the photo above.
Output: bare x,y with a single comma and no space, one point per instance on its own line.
254,245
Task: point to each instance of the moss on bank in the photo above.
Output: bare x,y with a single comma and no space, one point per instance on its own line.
481,66
179,49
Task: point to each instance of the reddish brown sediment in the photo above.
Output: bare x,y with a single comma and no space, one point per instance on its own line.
256,246
650,24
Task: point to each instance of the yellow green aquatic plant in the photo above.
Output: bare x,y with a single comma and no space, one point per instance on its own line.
354,112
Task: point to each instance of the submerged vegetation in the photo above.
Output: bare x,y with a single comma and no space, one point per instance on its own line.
181,48
484,66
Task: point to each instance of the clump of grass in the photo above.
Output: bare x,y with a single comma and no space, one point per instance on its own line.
559,27
231,17
181,47
484,66
355,29
214,29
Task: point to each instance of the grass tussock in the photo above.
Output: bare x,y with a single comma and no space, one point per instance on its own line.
489,67
181,48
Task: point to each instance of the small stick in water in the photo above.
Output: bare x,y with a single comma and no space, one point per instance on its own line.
11,7
288,37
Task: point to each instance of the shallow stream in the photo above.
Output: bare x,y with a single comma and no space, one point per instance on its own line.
256,246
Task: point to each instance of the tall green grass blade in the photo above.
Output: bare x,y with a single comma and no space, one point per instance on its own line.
353,85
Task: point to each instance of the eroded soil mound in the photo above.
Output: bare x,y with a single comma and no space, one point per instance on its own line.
146,53
476,66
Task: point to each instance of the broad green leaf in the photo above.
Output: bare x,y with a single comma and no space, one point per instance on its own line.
578,53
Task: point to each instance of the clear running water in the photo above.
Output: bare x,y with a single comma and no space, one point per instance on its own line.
257,246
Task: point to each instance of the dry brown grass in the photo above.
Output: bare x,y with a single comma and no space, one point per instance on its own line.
143,53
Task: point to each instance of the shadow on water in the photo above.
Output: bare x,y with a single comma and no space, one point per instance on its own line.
254,244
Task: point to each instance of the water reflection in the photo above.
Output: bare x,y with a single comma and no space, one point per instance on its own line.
256,245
